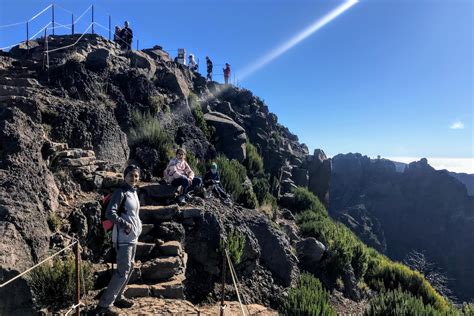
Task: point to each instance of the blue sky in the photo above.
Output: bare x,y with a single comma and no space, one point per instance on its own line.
389,78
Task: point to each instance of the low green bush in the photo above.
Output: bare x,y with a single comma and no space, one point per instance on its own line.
400,303
53,284
306,200
308,298
248,198
467,309
346,249
261,187
235,245
146,130
253,161
196,109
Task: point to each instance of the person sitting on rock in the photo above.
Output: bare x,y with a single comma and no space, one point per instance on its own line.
192,63
179,174
126,34
213,184
127,228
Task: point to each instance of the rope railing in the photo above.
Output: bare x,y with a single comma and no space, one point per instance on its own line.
38,264
42,11
234,280
70,45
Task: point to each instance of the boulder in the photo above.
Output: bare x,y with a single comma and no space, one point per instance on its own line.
172,78
231,137
99,60
310,251
143,62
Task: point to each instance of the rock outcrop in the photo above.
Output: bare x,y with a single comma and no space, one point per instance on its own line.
420,209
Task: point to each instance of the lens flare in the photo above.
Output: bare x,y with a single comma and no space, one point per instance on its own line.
316,25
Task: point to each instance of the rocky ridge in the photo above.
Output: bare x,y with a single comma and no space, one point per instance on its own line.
64,140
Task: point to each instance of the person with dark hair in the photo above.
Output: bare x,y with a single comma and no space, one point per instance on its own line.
193,66
212,183
126,34
117,38
123,211
179,174
226,71
209,68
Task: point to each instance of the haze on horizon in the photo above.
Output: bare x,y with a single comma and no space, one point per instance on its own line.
390,78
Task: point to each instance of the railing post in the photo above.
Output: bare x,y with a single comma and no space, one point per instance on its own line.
72,24
223,282
78,280
27,36
92,19
52,12
110,26
138,41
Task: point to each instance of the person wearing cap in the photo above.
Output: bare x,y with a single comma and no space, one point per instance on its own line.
213,184
192,63
226,71
127,228
209,68
126,34
179,174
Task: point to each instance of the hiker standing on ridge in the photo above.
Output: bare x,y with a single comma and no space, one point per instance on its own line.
192,63
178,173
123,211
117,38
126,34
209,68
226,71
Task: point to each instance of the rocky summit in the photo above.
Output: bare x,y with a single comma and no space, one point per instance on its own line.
66,133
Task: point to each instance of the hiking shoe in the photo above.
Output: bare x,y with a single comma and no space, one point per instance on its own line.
181,200
188,196
123,303
104,311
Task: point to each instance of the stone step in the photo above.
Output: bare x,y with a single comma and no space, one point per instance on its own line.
172,289
152,214
144,251
153,193
163,268
146,229
19,82
170,248
190,212
6,90
12,98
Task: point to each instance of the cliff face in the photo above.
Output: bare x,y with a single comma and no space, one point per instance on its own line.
420,209
85,102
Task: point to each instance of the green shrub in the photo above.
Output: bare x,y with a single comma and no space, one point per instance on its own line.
233,178
233,174
54,223
235,245
399,303
261,187
467,309
196,109
53,284
306,200
247,198
158,103
384,274
253,161
308,298
147,131
197,165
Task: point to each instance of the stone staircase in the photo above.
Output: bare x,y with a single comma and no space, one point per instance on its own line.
160,258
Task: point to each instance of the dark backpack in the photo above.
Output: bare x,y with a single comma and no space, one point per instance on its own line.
107,223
